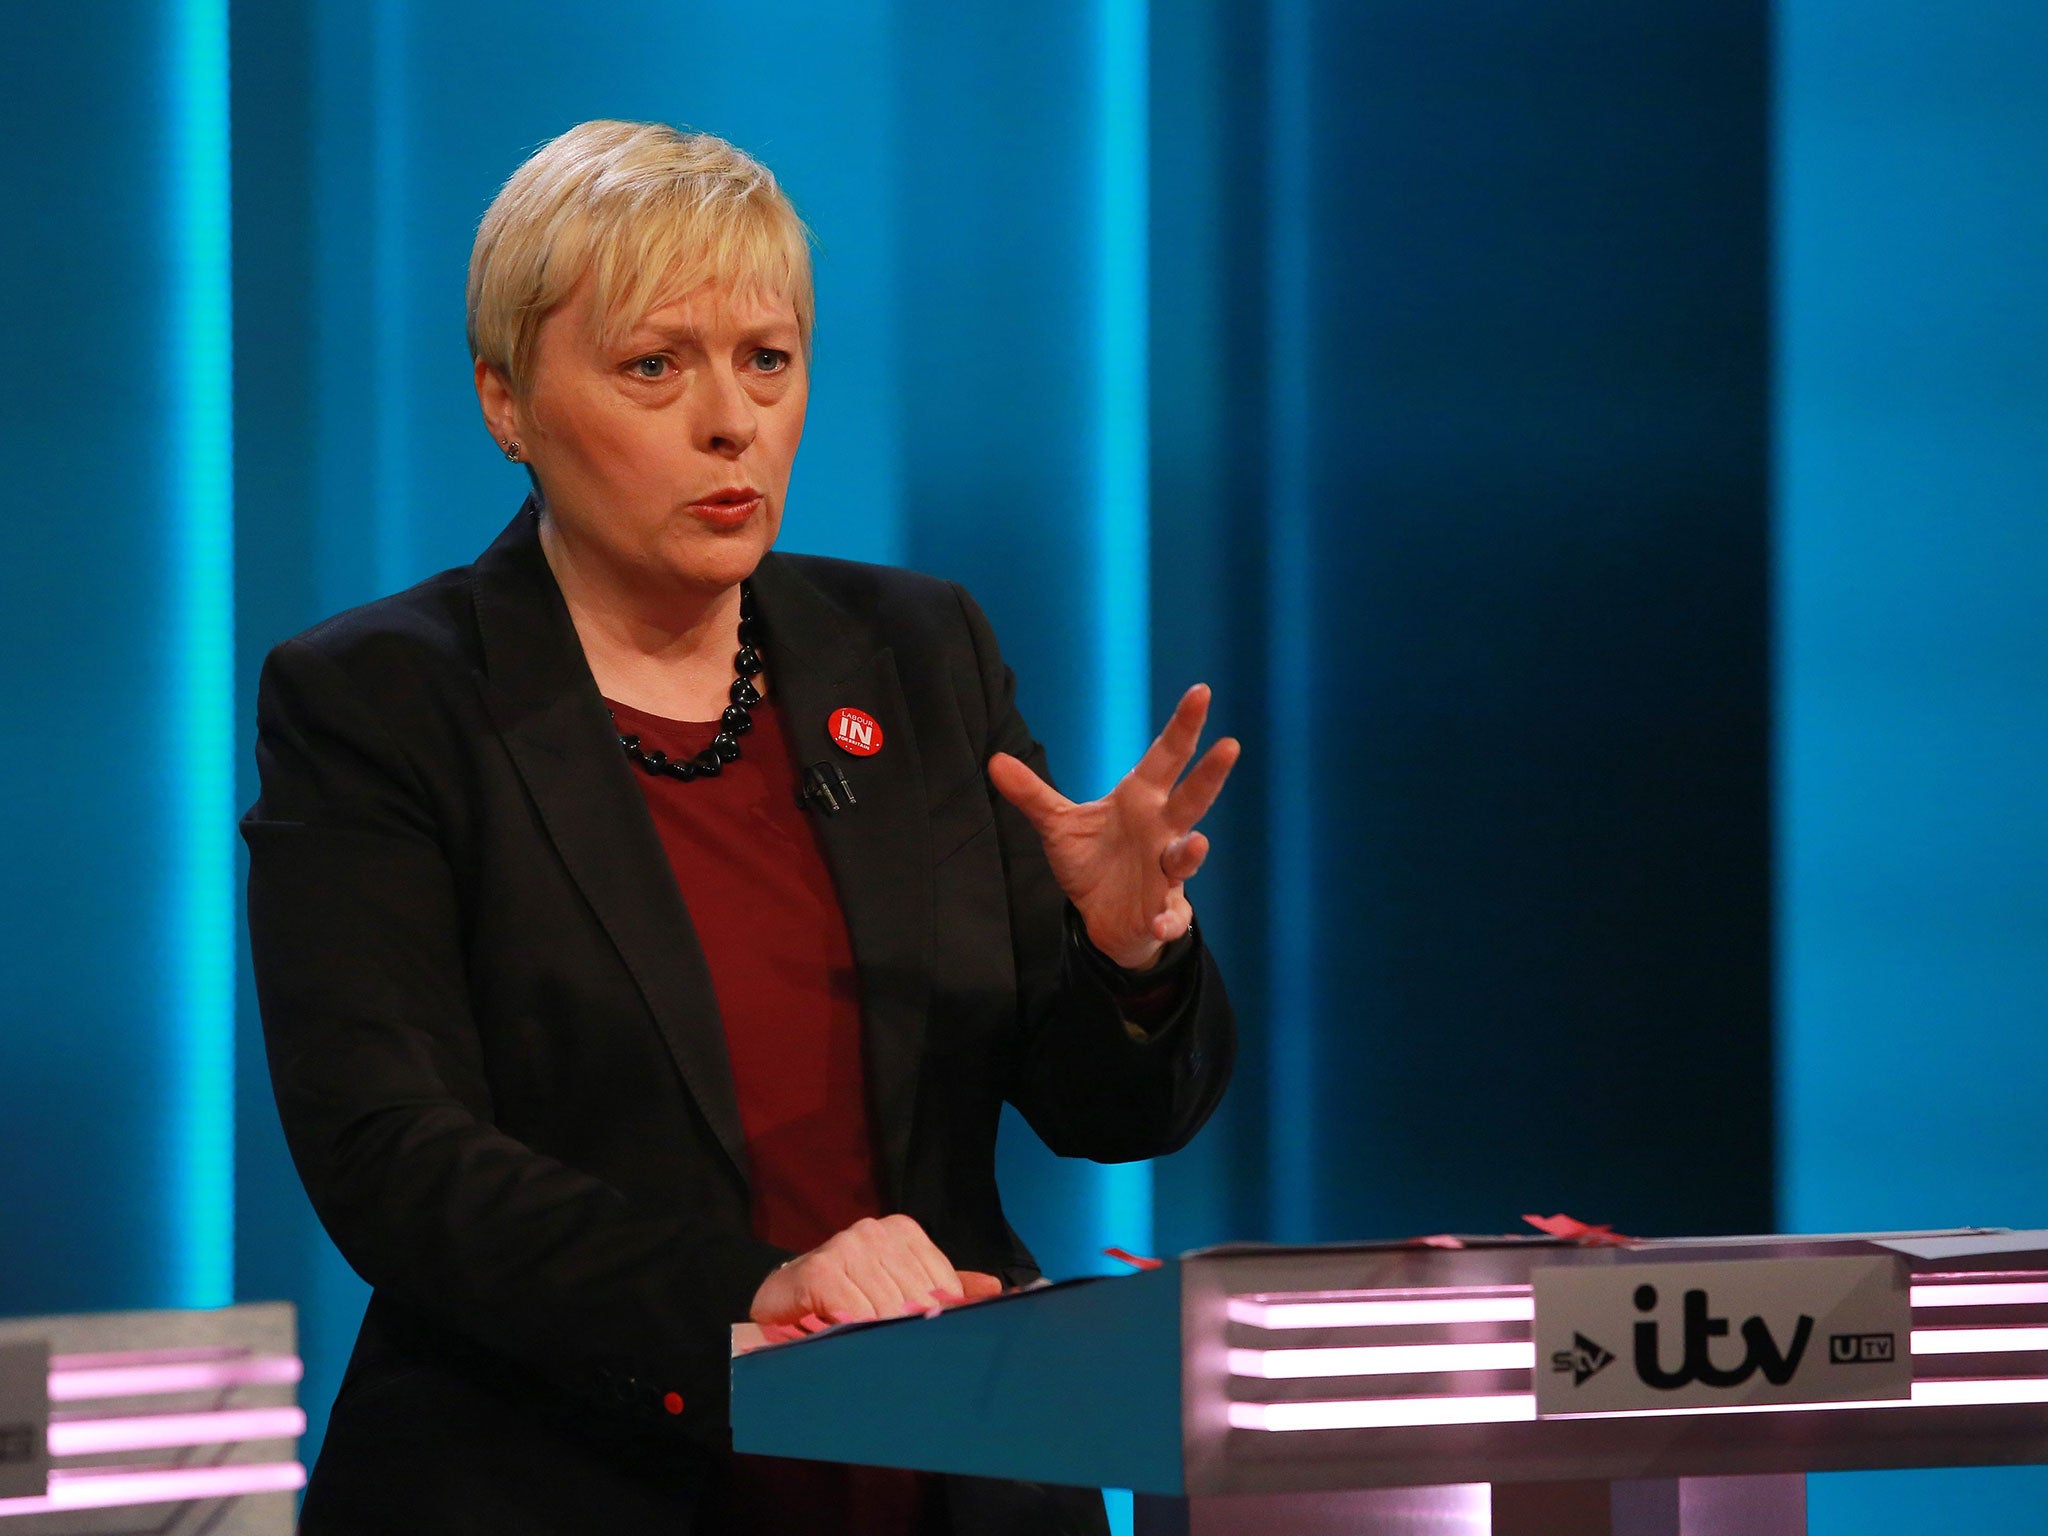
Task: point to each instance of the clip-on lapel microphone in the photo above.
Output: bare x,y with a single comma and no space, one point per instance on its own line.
824,787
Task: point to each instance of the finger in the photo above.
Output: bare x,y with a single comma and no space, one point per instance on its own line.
1190,802
837,1293
880,1288
1175,920
1172,747
1183,856
1016,783
919,1264
979,1287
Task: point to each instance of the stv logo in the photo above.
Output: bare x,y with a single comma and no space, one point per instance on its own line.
1584,1359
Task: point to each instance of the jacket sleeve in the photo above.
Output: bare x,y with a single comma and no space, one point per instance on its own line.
356,934
1089,1081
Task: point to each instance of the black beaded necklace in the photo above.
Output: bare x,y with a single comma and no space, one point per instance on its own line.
733,724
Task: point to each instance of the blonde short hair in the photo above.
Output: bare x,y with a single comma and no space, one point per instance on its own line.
648,214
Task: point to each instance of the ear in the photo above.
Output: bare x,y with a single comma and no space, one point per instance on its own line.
500,406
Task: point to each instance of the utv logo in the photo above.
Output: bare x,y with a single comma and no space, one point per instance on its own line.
1862,1348
1584,1359
1761,1352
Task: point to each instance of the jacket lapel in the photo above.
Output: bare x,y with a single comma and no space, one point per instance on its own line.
819,659
553,720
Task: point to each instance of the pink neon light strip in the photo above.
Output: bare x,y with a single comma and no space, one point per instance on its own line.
1399,1412
93,1437
1978,1341
1382,1360
1385,1412
2003,1294
118,1489
1367,1312
1510,1355
192,1376
1963,1394
1382,1314
1926,1394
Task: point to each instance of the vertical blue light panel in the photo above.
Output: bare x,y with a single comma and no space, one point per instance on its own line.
200,1148
116,930
1023,457
395,273
1208,559
1912,555
1292,1014
1123,609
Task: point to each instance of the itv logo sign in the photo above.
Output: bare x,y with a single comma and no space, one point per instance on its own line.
1720,1332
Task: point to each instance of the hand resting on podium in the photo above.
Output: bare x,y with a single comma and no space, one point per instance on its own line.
879,1267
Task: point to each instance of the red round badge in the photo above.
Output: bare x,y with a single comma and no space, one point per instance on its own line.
854,731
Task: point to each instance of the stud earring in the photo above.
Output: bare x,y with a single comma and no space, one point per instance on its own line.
512,450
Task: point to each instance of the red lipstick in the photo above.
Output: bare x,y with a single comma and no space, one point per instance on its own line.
727,508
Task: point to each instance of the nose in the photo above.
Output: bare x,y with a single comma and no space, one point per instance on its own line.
723,422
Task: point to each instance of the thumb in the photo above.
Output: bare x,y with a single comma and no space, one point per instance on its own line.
1024,789
976,1286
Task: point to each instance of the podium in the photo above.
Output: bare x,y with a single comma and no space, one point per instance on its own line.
1523,1387
180,1423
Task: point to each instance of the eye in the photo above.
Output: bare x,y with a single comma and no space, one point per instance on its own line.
653,366
770,360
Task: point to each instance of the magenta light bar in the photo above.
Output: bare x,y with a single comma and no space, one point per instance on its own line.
1517,1304
93,1437
190,1376
1978,1341
1399,1412
1385,1412
1926,1394
1998,1294
118,1489
1965,1393
1368,1311
1511,1355
1382,1360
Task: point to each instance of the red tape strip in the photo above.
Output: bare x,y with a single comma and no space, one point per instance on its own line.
1572,1229
1135,1260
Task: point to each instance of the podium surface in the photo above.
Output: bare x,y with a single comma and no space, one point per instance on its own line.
1512,1385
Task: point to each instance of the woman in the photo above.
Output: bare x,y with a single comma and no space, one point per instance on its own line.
640,945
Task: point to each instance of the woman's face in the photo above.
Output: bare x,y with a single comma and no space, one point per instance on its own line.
664,459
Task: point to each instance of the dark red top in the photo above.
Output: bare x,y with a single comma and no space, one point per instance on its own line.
760,896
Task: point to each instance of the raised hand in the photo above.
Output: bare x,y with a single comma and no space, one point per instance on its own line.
1123,859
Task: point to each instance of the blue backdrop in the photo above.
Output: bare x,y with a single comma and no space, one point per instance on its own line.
1595,451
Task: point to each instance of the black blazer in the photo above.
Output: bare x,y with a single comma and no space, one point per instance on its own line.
498,1057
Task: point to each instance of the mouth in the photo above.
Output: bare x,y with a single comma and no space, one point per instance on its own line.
728,508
